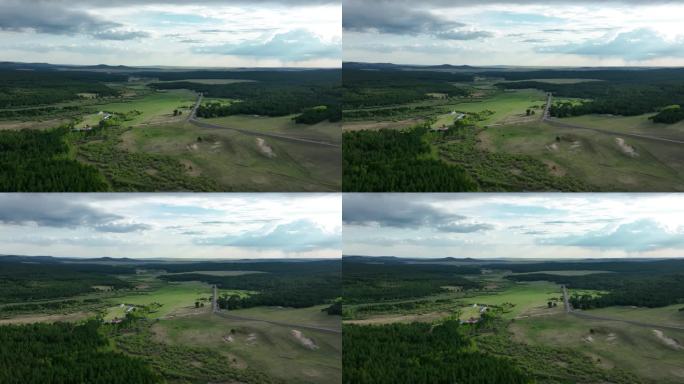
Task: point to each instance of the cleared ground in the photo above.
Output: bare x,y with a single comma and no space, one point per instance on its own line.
609,344
629,164
284,352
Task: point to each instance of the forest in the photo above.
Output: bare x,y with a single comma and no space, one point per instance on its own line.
421,353
390,160
367,282
363,89
29,88
276,93
42,281
309,284
669,115
629,94
34,160
66,353
637,289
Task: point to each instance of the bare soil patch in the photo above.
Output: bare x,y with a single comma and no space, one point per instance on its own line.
670,342
626,148
377,125
29,319
265,148
305,341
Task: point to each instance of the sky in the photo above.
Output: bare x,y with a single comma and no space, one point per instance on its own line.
530,225
158,225
195,33
519,32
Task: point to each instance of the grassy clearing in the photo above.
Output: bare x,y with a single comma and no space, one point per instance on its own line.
504,104
284,125
558,81
264,347
563,273
313,316
171,296
639,124
593,157
220,273
235,160
45,318
670,315
209,81
155,107
611,345
524,297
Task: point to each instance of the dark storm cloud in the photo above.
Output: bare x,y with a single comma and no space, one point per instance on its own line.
57,19
398,212
60,211
387,17
49,18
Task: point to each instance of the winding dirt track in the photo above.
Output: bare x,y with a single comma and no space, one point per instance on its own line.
227,315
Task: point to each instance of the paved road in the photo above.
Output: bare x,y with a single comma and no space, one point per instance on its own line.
547,107
228,315
584,315
191,116
546,117
193,120
568,309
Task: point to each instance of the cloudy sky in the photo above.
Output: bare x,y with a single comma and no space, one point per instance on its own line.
519,32
202,33
532,225
160,225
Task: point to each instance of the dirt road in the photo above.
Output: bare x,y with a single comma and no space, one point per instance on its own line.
228,315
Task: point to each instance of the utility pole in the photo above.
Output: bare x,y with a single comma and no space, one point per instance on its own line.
214,299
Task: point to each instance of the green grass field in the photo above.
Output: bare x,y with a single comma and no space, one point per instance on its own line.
220,273
505,105
209,81
524,297
564,273
171,296
155,107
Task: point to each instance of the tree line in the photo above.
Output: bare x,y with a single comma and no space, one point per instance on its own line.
27,88
297,285
262,98
365,282
42,281
364,89
626,98
641,290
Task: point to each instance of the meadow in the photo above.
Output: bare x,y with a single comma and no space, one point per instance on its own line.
590,141
168,326
138,136
525,320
